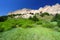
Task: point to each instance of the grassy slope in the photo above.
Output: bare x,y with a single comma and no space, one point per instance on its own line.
37,33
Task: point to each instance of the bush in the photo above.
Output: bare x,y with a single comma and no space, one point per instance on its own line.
14,23
50,24
58,23
3,18
40,22
1,29
34,18
56,17
28,23
27,26
7,25
43,14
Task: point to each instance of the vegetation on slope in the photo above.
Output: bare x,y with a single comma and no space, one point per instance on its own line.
37,33
39,27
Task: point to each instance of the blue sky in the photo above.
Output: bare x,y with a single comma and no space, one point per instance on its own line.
12,5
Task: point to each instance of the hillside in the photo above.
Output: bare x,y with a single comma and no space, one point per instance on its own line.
28,24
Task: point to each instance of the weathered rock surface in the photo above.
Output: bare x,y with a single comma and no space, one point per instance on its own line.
26,13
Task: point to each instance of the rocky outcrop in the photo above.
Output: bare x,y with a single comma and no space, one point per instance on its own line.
26,13
51,9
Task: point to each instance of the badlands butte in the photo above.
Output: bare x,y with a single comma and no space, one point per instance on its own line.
26,13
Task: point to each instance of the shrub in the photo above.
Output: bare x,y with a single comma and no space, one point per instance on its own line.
58,23
56,17
1,29
13,23
50,24
7,25
40,22
3,18
43,14
34,18
27,26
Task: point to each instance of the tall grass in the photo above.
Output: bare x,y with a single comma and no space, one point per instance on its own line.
39,27
37,33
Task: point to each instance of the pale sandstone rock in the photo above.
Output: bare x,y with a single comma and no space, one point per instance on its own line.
26,12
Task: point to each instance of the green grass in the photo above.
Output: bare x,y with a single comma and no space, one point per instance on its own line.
36,28
36,33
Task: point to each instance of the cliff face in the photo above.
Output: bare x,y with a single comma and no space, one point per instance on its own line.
28,12
51,9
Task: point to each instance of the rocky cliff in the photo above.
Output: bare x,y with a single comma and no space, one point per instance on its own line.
29,12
